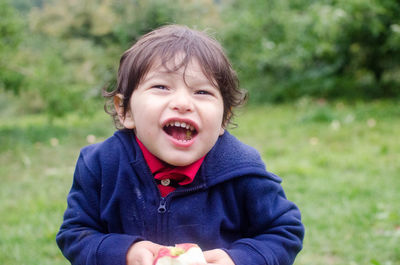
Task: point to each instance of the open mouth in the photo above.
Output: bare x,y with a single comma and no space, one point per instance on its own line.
181,131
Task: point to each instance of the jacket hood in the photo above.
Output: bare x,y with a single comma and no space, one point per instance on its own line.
229,158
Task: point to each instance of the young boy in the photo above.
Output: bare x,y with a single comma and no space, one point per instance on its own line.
172,173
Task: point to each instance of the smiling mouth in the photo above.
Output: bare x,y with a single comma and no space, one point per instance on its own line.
181,131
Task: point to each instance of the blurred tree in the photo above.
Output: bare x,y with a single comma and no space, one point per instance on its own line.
287,49
11,33
370,45
58,53
74,46
24,6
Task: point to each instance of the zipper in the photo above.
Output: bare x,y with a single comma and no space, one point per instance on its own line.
162,208
184,191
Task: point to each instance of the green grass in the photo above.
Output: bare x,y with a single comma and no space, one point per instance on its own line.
339,162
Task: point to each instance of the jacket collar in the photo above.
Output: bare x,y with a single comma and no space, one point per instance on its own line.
229,158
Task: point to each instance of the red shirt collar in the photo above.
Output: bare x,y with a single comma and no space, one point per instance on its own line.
157,166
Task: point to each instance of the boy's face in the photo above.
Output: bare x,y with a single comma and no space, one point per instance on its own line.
178,118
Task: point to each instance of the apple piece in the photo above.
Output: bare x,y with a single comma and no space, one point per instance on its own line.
181,254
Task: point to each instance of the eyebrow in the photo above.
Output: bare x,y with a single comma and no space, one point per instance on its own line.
188,77
154,75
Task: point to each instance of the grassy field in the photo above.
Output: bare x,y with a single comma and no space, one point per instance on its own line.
339,162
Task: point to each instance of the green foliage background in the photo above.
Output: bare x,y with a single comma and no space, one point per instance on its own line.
57,55
332,49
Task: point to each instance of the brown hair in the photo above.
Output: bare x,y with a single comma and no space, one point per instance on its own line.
164,43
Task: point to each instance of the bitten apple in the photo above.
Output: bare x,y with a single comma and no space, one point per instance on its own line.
181,254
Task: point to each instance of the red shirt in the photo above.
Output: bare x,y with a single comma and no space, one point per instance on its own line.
168,176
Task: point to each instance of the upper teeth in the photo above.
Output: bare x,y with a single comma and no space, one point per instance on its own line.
181,124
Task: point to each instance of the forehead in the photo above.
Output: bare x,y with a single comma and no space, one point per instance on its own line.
179,66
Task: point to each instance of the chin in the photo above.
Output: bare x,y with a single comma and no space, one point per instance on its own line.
180,163
180,159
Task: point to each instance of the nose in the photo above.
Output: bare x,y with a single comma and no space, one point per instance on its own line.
181,101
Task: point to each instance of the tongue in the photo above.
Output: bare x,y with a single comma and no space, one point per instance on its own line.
179,133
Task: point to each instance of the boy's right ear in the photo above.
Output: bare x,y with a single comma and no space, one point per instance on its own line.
126,119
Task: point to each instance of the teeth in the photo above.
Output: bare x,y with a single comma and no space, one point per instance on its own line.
180,124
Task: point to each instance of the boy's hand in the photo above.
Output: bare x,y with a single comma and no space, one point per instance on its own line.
217,257
142,253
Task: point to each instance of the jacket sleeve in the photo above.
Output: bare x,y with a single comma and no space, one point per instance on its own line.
83,238
274,232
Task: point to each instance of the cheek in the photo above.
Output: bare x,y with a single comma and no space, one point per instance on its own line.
221,114
215,120
146,118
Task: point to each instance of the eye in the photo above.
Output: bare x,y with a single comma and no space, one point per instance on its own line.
203,92
162,87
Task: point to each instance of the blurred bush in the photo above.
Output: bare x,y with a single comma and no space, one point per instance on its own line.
10,38
66,51
286,49
57,55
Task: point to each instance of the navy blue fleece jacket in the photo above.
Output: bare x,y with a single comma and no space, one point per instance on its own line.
233,204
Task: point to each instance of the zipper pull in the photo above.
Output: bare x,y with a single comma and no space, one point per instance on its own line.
162,208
